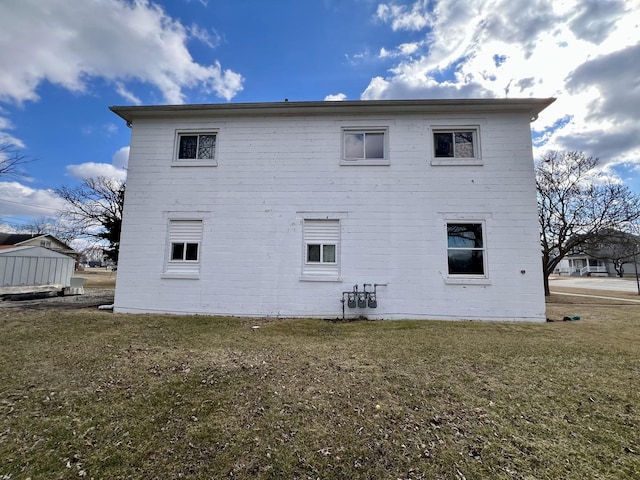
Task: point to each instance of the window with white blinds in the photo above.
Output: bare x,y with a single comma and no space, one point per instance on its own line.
321,247
185,237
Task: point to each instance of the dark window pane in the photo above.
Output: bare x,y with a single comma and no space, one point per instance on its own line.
353,145
329,253
192,251
443,143
374,145
467,262
207,147
177,251
464,235
188,146
464,145
313,253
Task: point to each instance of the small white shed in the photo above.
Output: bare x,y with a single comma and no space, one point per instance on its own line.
22,268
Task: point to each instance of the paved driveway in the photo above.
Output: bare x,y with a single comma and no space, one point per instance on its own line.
596,283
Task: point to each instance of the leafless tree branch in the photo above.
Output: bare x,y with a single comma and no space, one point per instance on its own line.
12,161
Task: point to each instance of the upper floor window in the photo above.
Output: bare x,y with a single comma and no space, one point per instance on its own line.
196,148
456,146
365,146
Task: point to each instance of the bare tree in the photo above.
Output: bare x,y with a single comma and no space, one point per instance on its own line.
95,208
60,228
575,202
11,161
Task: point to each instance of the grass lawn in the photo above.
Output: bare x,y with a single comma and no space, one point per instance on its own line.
91,394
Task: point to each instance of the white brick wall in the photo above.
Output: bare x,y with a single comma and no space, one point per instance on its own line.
392,219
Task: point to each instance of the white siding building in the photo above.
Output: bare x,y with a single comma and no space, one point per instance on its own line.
304,209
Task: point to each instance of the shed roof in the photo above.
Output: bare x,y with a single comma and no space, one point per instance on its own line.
32,251
11,239
530,106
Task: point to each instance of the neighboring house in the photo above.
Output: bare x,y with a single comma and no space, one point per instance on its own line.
9,240
420,209
581,264
608,253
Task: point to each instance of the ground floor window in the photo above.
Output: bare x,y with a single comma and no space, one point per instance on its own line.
321,247
184,252
465,248
184,245
321,253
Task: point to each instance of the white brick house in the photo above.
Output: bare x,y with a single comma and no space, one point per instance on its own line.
289,209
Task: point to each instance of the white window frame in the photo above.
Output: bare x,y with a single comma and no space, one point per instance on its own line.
364,131
176,234
195,162
312,234
466,278
321,252
453,129
185,250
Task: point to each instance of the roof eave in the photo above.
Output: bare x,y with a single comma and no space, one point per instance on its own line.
531,106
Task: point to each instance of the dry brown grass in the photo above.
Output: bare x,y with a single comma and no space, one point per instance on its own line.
92,394
98,277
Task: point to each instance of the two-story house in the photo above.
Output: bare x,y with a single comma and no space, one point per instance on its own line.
420,209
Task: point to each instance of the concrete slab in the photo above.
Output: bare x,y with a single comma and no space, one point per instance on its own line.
596,283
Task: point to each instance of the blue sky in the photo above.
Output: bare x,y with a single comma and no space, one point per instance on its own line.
63,63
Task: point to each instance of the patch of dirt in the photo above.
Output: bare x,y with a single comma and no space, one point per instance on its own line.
91,298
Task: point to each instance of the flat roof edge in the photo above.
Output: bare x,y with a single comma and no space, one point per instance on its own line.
533,106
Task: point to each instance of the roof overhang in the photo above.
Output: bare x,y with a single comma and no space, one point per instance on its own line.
530,106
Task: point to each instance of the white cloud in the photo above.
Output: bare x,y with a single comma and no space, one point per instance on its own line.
402,17
68,43
584,52
225,84
357,58
110,128
209,38
594,20
106,129
339,97
402,50
619,93
117,169
17,199
407,86
120,159
93,169
7,228
125,93
5,137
